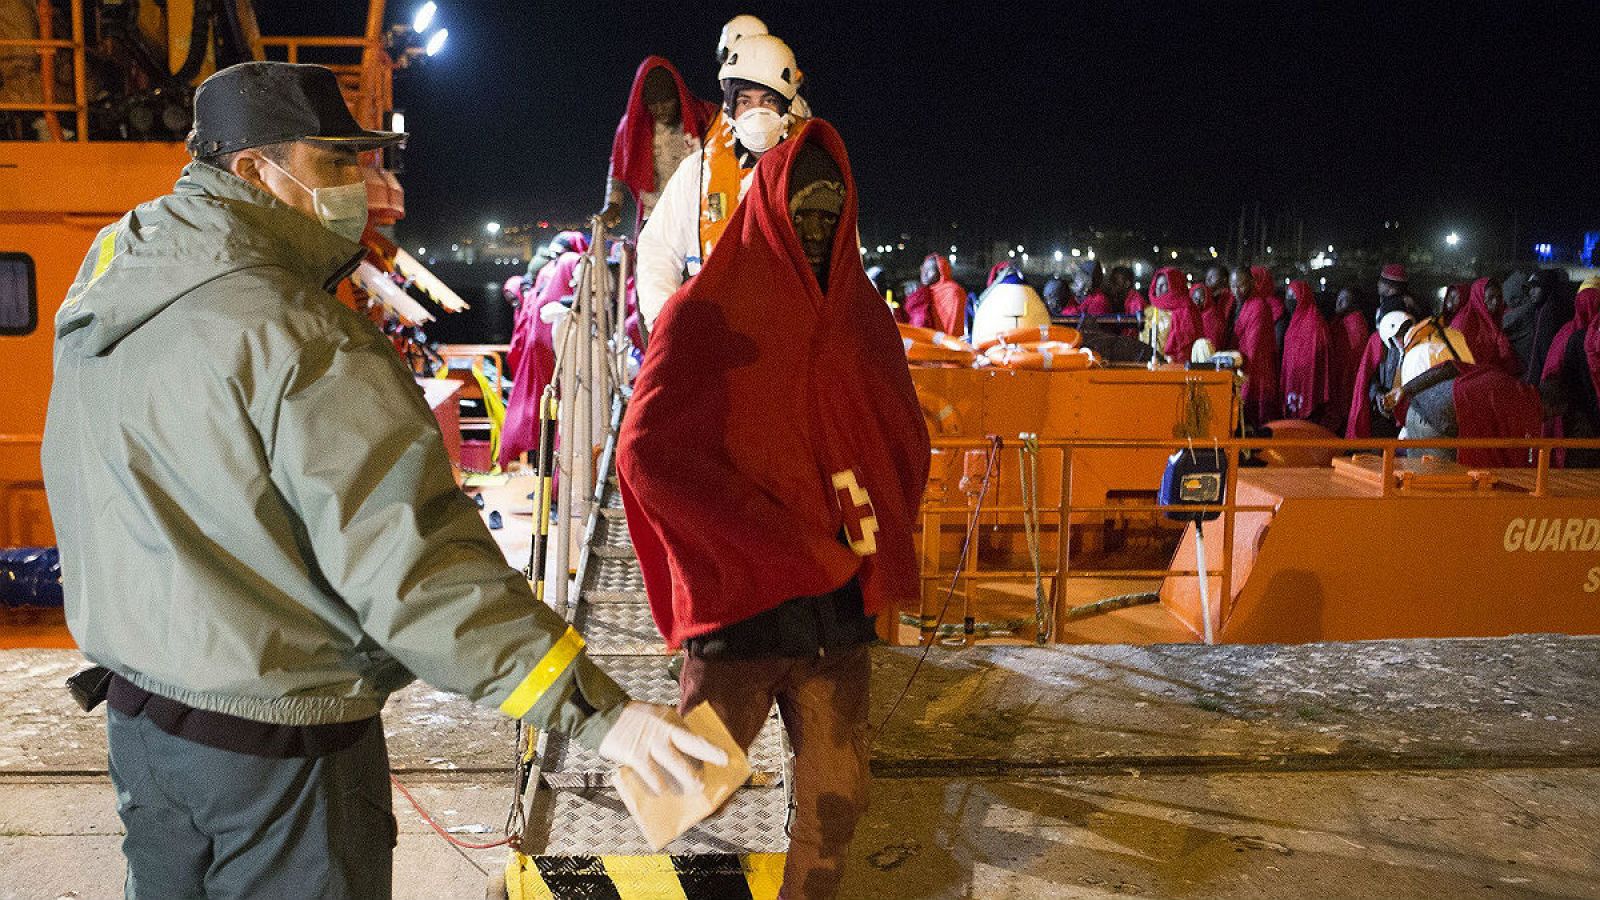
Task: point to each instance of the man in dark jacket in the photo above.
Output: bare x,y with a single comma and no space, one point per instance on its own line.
261,537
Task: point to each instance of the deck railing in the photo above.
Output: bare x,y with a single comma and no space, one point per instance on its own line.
942,585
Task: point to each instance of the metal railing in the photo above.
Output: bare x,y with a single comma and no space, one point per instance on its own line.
370,83
1051,613
583,405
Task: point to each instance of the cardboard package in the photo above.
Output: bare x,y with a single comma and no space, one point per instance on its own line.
664,817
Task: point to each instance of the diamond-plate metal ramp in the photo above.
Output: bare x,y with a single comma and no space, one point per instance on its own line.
620,629
590,821
613,534
645,678
609,575
584,843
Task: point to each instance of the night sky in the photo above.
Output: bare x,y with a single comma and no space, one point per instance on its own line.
1161,117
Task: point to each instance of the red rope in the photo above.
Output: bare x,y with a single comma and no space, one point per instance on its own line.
436,827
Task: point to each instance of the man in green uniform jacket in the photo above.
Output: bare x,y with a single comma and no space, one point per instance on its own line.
261,537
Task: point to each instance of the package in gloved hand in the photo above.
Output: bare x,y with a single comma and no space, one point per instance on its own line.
663,817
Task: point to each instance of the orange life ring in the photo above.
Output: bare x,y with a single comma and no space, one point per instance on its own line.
920,352
1055,334
920,335
1046,356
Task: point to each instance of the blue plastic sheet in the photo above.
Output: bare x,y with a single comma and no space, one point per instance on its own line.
30,578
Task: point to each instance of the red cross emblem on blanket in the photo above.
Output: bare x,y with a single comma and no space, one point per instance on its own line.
860,520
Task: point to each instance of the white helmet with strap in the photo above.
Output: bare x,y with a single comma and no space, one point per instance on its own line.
765,60
738,27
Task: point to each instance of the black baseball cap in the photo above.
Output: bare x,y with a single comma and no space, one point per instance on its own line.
257,103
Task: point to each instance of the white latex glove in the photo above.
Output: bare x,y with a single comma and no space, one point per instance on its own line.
651,740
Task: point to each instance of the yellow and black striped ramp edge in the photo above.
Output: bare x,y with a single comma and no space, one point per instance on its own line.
701,876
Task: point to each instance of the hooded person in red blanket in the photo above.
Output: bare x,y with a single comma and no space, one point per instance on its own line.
1307,376
940,302
532,358
1348,334
1172,323
663,125
1478,319
1569,378
1258,344
772,477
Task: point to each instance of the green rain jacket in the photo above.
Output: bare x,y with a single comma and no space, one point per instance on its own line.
254,506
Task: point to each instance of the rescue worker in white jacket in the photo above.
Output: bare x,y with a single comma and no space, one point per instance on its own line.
760,82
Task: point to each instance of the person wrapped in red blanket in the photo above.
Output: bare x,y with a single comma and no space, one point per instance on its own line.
664,123
1478,318
939,302
1255,328
1307,375
532,359
772,475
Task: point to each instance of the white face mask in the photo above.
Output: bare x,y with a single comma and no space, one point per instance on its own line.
760,129
342,208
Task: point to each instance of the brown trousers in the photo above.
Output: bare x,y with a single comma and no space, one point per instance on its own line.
824,706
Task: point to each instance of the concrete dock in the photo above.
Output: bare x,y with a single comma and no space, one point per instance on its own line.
1405,769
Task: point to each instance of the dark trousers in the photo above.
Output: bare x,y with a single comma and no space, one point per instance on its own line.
211,823
824,705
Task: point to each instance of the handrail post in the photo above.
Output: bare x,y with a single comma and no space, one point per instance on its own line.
1058,590
80,89
1541,475
566,393
1230,499
583,412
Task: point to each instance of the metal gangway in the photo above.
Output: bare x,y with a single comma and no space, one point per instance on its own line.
571,834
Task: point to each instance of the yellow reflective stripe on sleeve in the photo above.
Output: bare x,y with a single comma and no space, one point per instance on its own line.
555,663
108,251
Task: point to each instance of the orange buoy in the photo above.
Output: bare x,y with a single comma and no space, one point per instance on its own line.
1058,334
1048,356
922,352
936,338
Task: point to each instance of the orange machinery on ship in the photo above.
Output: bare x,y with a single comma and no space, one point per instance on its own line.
101,132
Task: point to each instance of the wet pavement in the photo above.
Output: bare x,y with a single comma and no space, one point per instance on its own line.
1425,769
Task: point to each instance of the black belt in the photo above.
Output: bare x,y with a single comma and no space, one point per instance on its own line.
224,732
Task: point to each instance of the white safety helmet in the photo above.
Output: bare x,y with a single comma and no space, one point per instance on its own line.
738,27
1201,351
1393,326
765,60
1006,306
